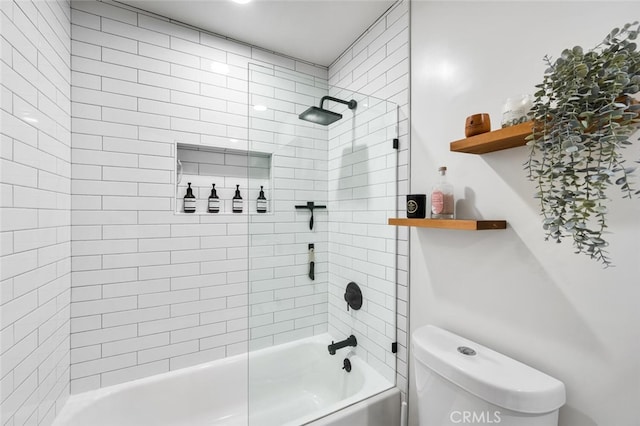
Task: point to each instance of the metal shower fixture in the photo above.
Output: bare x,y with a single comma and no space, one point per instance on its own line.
324,116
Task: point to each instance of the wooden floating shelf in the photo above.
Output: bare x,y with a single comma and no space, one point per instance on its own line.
460,224
509,137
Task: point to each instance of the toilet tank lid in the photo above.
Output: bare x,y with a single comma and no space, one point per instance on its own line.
488,374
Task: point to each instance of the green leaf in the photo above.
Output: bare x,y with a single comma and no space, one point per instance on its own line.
576,149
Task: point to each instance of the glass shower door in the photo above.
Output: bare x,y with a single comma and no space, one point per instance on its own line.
362,193
329,191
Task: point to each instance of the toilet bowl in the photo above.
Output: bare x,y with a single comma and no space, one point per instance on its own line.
460,382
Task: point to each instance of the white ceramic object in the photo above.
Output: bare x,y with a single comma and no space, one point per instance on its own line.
290,384
475,384
516,110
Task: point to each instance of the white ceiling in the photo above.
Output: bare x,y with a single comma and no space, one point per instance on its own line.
316,31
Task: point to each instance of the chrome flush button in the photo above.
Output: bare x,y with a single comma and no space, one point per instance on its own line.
465,350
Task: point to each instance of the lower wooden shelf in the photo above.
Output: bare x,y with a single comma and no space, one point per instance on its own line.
460,224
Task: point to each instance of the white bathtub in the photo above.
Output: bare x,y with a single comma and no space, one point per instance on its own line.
292,384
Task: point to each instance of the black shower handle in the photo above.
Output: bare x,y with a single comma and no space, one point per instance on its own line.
353,296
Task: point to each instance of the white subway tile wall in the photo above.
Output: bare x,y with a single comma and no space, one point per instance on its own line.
377,64
35,194
155,290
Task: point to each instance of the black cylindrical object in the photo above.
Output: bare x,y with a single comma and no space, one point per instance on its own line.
214,201
237,201
416,206
261,203
189,201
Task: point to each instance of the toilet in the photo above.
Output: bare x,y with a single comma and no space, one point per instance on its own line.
460,382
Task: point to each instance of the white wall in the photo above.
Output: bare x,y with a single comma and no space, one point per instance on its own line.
154,291
35,200
532,300
377,64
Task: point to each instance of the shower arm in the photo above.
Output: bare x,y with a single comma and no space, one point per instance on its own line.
351,104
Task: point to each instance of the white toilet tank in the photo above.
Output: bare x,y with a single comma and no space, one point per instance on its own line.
460,382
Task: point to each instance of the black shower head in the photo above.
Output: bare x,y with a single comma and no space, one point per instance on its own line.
324,116
320,116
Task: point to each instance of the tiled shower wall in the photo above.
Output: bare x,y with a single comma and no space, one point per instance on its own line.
285,304
377,64
154,291
35,166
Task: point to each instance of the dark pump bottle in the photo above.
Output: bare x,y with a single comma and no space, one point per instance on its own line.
237,201
214,201
262,202
189,201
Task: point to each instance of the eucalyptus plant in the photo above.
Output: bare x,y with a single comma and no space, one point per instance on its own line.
583,117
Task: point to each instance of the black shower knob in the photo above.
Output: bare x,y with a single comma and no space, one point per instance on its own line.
353,296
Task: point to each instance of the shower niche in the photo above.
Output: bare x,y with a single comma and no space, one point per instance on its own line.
203,166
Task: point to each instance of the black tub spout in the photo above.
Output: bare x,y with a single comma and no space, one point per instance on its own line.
349,341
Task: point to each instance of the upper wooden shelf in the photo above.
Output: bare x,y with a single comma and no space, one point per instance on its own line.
461,224
509,137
